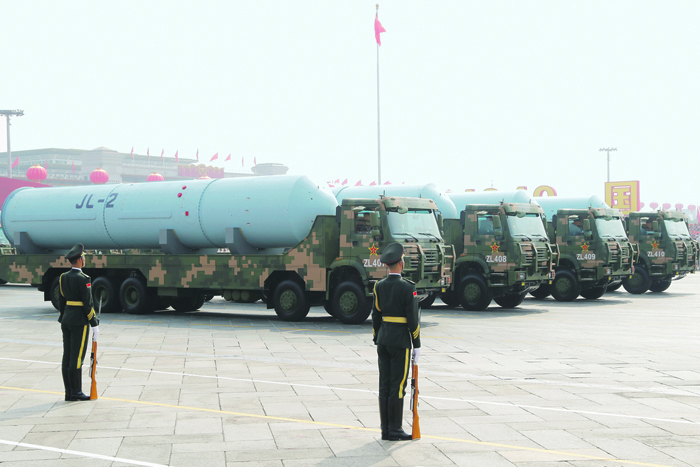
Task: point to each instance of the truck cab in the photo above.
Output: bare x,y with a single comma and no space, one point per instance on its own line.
595,253
367,226
667,251
502,253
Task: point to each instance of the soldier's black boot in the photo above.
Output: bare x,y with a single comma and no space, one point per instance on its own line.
395,432
76,384
384,416
65,372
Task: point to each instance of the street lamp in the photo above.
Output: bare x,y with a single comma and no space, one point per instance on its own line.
7,114
608,150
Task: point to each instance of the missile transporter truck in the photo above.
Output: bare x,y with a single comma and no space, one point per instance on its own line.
502,249
666,250
482,271
168,244
595,250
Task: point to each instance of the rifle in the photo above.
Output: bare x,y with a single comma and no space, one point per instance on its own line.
93,358
414,401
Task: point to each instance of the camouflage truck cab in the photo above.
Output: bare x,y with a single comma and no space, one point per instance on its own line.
502,253
595,253
336,265
667,251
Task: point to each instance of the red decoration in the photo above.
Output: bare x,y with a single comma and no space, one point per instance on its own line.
155,177
204,177
99,176
36,173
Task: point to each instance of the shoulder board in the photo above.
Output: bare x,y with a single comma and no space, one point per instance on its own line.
409,281
84,275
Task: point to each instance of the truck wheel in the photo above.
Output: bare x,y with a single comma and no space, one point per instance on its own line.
428,301
350,305
660,286
3,282
565,287
161,303
199,301
249,296
184,304
290,301
328,306
55,292
473,293
593,293
134,297
542,292
449,299
103,287
639,283
208,297
510,300
614,287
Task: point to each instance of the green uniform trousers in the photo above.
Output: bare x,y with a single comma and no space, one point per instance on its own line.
393,370
75,344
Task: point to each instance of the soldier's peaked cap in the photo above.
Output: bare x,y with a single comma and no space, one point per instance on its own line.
392,253
75,252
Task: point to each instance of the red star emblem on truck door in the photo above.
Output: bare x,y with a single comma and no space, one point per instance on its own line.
654,245
584,247
373,249
494,247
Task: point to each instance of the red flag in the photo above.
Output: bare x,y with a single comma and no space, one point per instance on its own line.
345,182
46,164
359,183
176,159
330,184
73,168
161,155
387,183
337,180
255,161
16,162
132,153
242,165
197,154
214,157
373,183
378,28
228,158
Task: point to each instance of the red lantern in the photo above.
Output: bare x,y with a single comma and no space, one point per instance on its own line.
99,176
36,173
654,205
666,206
204,177
155,177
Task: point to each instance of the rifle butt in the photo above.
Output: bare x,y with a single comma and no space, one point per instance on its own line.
415,432
93,362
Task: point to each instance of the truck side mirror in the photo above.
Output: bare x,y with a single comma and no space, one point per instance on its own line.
655,226
496,222
338,213
587,234
439,221
374,220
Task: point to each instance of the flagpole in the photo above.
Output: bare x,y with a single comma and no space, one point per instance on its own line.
379,148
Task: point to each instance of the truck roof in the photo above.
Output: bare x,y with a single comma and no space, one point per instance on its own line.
662,214
393,202
508,207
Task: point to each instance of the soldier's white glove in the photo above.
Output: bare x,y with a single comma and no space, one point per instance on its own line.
95,332
416,354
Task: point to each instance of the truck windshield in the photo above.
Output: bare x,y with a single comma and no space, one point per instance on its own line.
415,223
3,239
528,226
610,228
678,229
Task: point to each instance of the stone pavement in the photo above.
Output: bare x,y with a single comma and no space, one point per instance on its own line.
610,382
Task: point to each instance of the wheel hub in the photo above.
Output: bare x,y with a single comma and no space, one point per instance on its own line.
348,303
472,292
288,300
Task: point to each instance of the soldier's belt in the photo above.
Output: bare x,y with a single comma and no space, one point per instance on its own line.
394,319
74,303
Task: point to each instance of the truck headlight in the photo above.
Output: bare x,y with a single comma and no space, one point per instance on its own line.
521,276
608,271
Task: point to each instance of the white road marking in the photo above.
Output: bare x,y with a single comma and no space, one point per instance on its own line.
81,454
369,391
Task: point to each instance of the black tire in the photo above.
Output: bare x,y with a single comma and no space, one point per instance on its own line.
594,293
565,287
55,292
450,299
290,301
350,305
473,294
105,288
428,301
614,287
187,304
510,300
249,296
328,306
639,283
208,297
3,282
542,292
660,286
161,303
134,297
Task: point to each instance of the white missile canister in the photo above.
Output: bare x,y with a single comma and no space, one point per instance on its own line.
552,204
429,191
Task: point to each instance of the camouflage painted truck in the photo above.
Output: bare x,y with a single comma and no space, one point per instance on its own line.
595,251
666,250
502,249
278,238
502,265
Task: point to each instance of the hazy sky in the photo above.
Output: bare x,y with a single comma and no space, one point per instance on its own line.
514,92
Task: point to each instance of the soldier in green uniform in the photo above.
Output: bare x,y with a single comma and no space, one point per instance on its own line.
75,313
396,328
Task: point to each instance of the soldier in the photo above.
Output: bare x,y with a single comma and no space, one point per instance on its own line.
75,313
396,328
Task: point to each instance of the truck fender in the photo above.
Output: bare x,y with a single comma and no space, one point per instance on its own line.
470,263
352,263
570,262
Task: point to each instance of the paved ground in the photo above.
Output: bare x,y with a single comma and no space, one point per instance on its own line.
611,382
